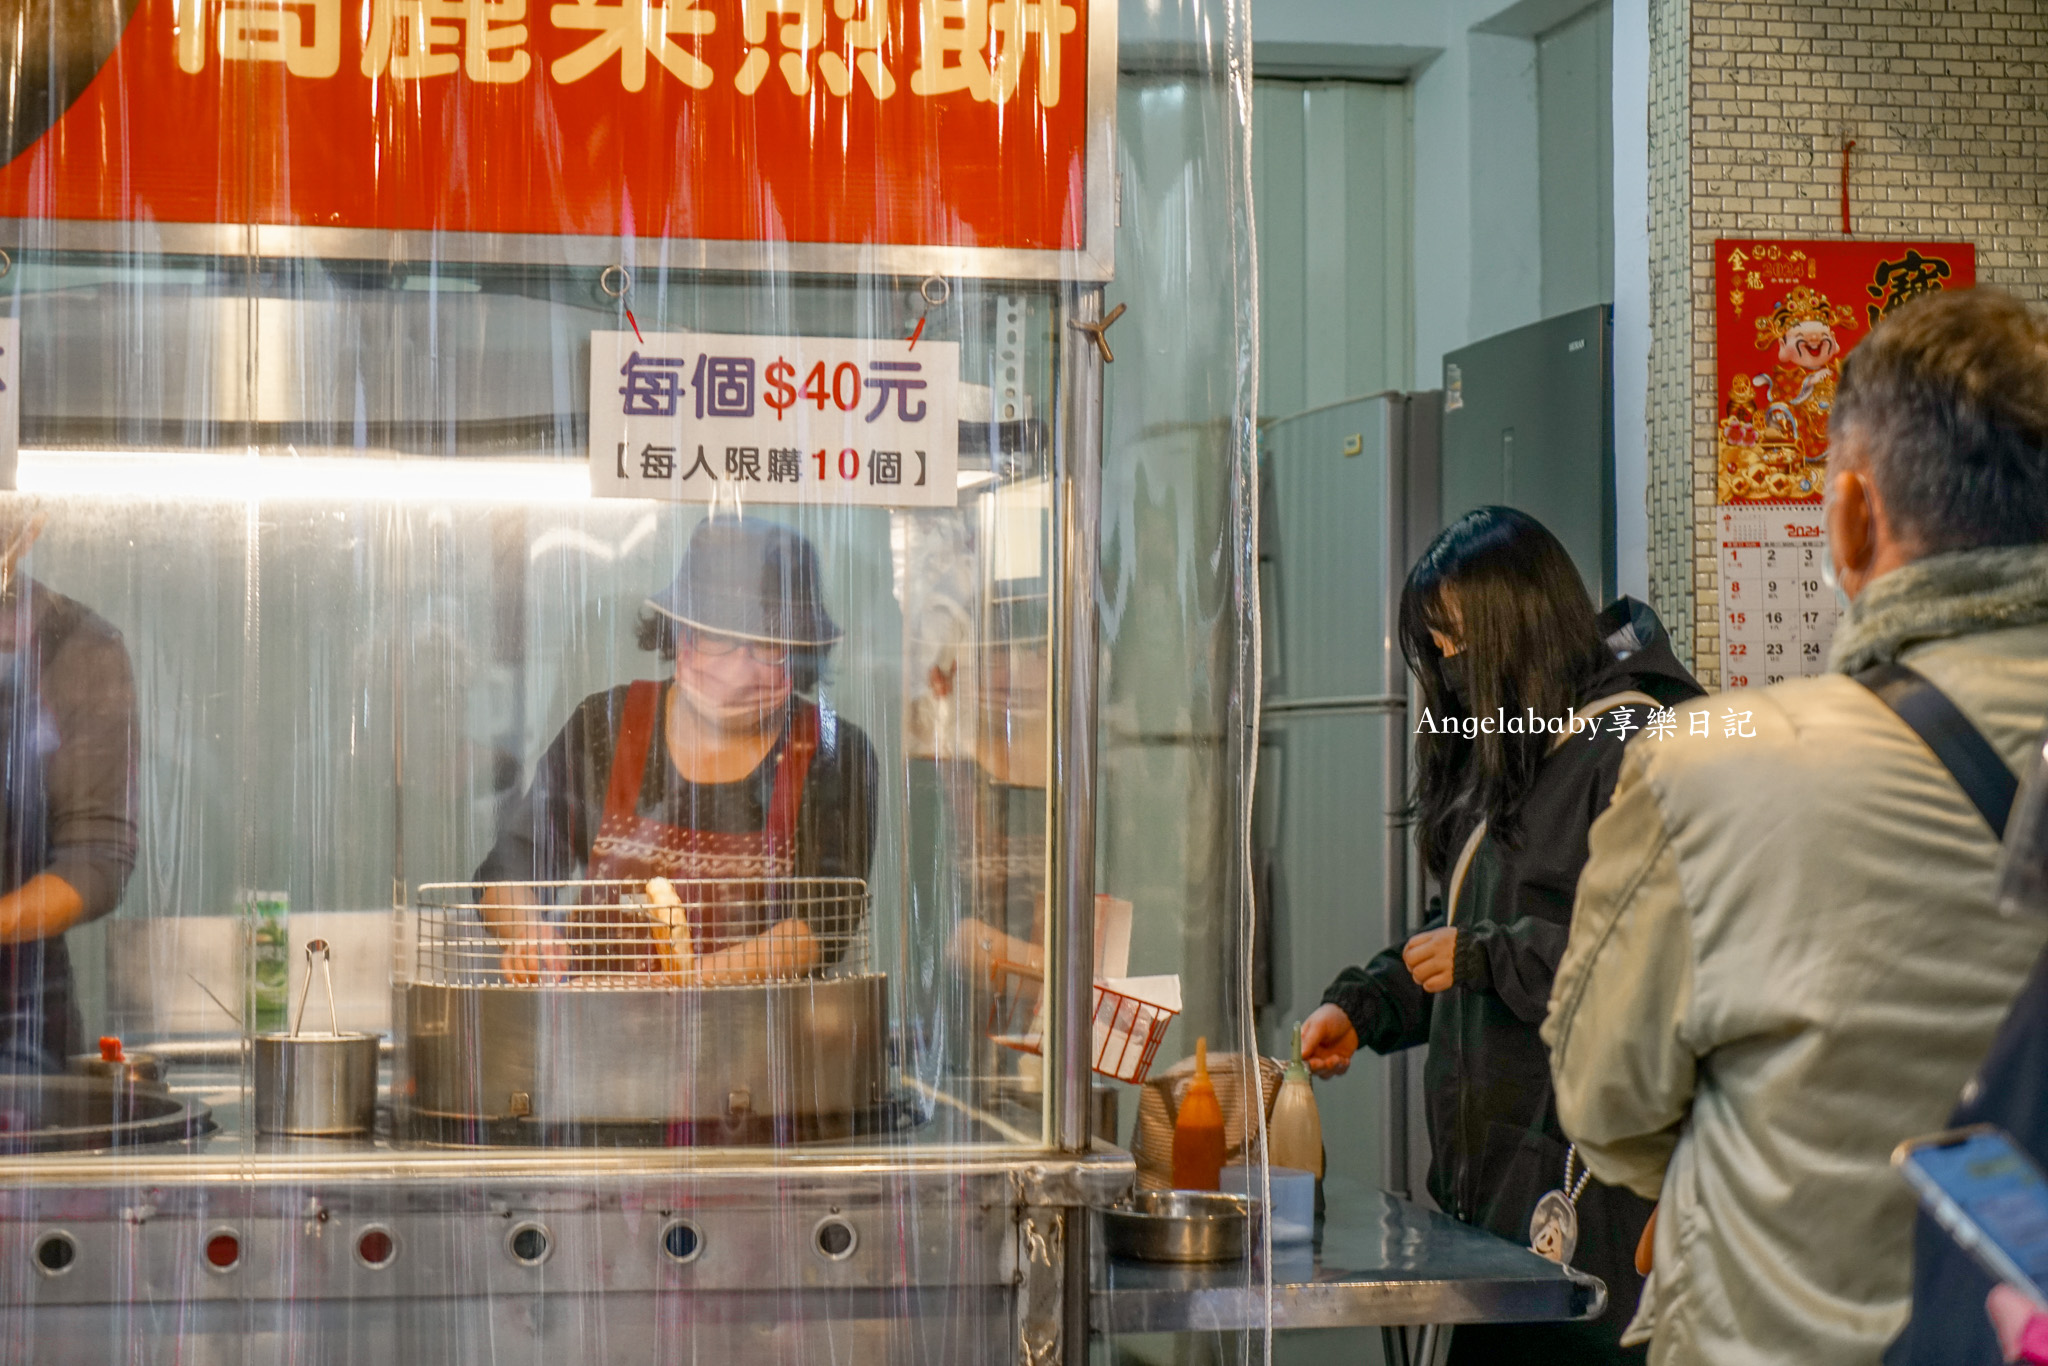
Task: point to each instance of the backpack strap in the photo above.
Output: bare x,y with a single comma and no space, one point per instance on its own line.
1464,866
1960,746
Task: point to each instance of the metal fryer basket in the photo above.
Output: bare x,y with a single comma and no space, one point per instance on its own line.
607,933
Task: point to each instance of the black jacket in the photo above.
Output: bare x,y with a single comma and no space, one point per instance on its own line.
1949,1326
1495,1144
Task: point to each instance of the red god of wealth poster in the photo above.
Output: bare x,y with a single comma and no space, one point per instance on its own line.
1786,313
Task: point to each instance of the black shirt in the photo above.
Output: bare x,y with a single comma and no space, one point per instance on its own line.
547,835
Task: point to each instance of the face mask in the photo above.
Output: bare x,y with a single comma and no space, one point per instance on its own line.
1828,575
747,708
1457,675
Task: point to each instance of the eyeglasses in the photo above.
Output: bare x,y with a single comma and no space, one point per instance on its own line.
763,652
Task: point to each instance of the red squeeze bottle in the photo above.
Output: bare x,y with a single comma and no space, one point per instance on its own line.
1198,1131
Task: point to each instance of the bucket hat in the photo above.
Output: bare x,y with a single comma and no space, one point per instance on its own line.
754,580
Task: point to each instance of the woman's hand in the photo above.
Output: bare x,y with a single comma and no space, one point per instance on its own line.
533,952
536,955
786,951
1429,956
1328,1041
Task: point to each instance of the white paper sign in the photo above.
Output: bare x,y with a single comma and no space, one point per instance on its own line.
696,417
1777,612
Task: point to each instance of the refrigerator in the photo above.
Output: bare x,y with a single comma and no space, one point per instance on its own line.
1528,422
1348,497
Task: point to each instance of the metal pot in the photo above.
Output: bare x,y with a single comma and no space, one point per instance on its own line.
664,1055
316,1084
1177,1226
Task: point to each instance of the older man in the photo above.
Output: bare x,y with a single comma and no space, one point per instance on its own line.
1785,956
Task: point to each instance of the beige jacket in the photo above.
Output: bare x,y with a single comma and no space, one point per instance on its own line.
1784,959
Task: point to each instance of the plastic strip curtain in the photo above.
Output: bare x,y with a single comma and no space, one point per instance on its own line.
550,562
1181,675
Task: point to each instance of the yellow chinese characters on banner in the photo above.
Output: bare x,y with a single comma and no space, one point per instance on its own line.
978,47
414,39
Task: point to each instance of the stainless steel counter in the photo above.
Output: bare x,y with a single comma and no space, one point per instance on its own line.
1377,1260
945,1242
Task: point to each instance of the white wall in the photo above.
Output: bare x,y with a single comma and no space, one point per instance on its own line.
1632,297
1476,226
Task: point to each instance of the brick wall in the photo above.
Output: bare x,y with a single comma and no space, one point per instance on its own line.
1750,101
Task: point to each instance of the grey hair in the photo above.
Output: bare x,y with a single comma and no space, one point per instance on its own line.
1949,395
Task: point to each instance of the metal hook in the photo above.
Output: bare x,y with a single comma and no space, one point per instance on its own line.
1095,331
318,946
6,263
925,291
622,275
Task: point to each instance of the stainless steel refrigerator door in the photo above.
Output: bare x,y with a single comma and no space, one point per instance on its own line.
1321,804
1334,527
1326,562
1529,423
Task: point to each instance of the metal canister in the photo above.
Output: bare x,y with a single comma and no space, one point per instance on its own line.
316,1084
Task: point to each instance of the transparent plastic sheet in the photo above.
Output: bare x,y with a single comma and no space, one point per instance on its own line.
1179,709
326,613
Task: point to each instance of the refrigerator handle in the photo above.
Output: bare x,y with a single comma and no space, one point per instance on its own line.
1268,888
1272,620
1393,575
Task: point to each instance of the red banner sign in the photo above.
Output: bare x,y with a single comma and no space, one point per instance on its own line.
861,123
1786,314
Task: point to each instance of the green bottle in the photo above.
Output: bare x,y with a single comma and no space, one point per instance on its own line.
266,956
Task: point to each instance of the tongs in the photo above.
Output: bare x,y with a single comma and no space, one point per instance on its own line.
318,946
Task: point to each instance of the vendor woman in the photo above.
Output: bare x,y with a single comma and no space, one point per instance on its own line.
729,770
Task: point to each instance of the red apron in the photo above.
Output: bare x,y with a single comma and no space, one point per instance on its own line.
631,846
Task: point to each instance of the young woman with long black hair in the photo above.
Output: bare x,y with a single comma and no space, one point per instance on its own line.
1507,650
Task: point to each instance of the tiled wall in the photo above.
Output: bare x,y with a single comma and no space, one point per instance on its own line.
1750,102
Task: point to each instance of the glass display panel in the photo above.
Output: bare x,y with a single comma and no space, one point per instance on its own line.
427,687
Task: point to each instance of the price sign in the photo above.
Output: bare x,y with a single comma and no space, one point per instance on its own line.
693,417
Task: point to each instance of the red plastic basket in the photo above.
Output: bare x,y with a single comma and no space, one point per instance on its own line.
1127,1030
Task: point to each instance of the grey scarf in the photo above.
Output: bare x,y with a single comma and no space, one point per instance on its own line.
1961,593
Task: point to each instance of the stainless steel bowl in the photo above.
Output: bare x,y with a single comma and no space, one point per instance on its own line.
1177,1226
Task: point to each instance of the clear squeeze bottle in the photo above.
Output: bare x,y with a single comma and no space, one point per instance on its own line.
1297,1127
1198,1131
